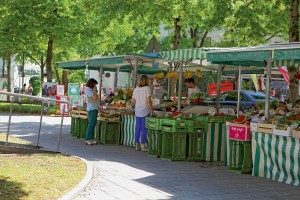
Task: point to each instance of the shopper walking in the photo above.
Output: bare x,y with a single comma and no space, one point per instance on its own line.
92,101
143,108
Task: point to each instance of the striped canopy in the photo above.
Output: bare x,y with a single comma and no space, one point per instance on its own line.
183,54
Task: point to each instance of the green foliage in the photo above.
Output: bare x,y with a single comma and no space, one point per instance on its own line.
246,84
77,76
25,108
35,81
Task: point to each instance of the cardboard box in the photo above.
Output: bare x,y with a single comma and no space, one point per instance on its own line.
253,126
239,132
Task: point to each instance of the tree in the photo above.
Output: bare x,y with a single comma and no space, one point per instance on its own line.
294,37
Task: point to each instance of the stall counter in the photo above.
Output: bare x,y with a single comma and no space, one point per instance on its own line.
276,157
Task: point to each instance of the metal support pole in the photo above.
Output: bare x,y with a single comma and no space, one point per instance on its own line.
100,81
268,84
219,87
169,82
61,124
9,120
180,86
135,70
41,119
116,79
239,92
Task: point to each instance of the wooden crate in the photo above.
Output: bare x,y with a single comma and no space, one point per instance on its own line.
296,133
264,128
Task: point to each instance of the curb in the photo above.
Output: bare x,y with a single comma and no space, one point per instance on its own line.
82,184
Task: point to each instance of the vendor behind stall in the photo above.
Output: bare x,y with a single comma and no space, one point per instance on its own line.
192,88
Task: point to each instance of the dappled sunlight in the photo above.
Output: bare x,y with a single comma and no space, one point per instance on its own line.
119,176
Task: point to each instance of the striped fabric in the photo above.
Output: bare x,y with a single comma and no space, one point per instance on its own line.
280,63
127,130
214,143
276,157
184,54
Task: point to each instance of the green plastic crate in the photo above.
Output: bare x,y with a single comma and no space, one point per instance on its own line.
167,145
179,146
195,141
240,157
109,132
154,143
176,122
153,123
97,132
83,123
217,119
172,129
174,146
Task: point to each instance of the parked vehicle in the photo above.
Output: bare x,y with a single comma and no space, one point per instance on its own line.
248,99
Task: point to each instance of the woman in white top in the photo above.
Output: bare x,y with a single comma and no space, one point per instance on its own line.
143,108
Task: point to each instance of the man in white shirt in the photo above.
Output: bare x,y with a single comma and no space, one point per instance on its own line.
192,88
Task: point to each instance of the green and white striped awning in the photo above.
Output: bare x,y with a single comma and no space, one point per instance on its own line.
183,54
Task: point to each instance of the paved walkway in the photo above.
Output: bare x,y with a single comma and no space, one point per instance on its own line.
120,172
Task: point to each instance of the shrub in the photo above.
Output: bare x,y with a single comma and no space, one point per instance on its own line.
35,81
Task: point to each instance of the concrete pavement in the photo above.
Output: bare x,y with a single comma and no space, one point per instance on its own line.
120,172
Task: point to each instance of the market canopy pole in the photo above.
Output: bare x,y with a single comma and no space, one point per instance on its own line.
219,87
116,79
169,82
100,81
239,91
180,86
268,83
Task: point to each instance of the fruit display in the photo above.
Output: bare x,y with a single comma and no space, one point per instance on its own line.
172,74
188,74
158,76
198,73
240,120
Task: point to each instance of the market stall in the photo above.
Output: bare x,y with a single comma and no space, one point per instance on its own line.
275,153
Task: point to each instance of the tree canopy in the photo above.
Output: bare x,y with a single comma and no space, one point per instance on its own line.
46,31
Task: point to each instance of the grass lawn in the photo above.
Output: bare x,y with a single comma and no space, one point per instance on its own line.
38,176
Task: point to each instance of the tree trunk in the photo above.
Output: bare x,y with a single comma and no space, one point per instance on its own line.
203,38
49,60
294,21
57,75
8,74
194,36
42,70
3,67
294,37
65,79
177,36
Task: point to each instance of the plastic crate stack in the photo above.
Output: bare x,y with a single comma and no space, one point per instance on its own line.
154,136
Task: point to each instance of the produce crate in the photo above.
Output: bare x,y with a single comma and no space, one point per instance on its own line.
264,128
283,130
83,123
97,132
153,123
195,141
296,133
172,129
240,156
154,143
109,132
167,145
239,132
253,127
173,146
217,119
176,122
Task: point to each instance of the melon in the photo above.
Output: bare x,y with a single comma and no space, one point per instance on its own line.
240,120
